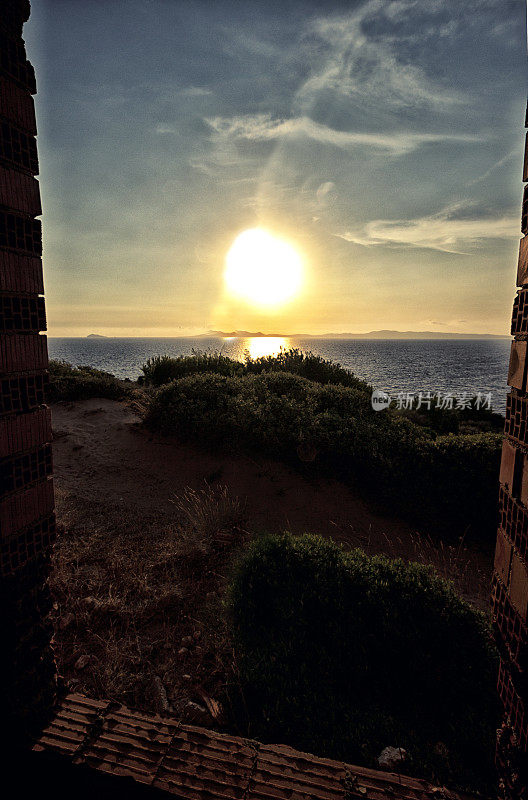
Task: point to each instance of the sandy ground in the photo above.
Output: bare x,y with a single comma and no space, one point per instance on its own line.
103,456
105,461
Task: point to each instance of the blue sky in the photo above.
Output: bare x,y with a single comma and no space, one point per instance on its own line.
383,139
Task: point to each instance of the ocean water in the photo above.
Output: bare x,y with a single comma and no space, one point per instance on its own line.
421,365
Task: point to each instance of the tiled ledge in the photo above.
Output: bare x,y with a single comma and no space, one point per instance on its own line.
192,763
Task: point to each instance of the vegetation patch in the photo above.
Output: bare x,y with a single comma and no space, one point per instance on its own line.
343,654
325,423
67,382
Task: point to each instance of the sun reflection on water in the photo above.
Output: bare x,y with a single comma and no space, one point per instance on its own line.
265,345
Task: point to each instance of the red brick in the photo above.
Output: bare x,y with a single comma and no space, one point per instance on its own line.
517,366
19,192
519,586
30,544
513,521
515,425
519,324
510,458
523,486
22,392
17,105
522,263
22,313
503,554
24,431
22,509
23,353
513,705
20,273
510,630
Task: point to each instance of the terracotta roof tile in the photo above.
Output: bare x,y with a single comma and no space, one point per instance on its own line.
130,743
70,728
198,764
201,763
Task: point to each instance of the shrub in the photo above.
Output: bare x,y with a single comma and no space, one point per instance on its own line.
306,365
79,383
447,482
159,370
342,654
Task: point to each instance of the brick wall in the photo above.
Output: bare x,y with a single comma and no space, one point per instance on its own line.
510,579
27,523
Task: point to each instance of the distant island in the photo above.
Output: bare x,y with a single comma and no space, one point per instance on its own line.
384,334
96,336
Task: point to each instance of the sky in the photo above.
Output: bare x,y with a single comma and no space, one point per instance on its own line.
382,140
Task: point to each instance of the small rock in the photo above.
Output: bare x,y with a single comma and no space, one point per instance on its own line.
196,713
83,661
391,758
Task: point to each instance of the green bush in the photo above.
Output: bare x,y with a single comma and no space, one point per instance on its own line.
79,383
447,482
159,370
306,365
343,654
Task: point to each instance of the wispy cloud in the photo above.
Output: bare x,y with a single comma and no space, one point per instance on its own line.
262,127
196,91
443,231
367,68
163,129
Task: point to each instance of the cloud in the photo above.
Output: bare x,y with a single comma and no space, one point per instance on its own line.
262,127
369,68
443,231
195,91
324,189
162,129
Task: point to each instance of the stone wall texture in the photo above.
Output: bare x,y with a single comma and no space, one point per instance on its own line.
27,522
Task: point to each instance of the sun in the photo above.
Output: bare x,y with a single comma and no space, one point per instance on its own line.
263,269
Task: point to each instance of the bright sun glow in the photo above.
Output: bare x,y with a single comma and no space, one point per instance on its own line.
263,269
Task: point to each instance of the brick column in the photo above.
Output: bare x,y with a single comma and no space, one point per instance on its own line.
27,524
510,579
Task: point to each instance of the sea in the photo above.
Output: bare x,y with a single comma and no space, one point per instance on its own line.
431,367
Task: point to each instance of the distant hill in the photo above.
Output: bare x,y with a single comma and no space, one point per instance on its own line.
242,334
96,336
411,335
386,334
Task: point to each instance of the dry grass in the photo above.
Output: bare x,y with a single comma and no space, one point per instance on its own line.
139,594
453,562
137,603
210,518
